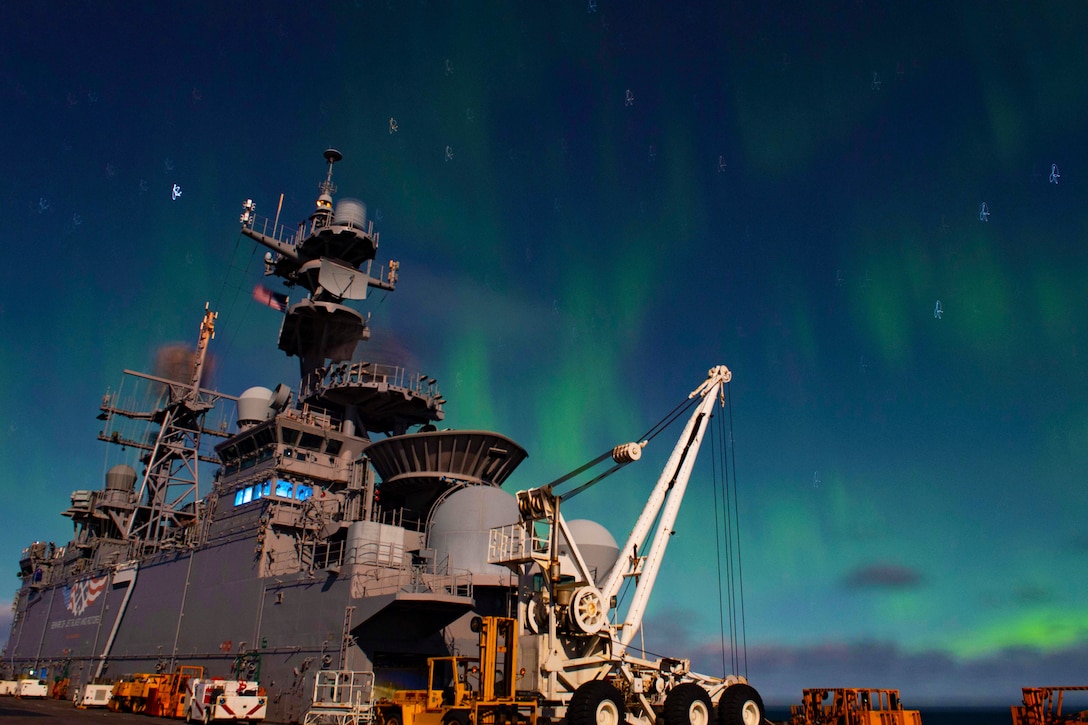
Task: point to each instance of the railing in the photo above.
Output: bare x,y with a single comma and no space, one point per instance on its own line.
368,373
316,416
295,234
342,697
517,544
376,552
416,580
281,232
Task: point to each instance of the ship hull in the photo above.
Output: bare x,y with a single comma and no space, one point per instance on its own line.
195,608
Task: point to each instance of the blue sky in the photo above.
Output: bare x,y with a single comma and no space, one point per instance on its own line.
592,204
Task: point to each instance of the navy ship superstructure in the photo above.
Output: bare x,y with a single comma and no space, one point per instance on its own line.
315,546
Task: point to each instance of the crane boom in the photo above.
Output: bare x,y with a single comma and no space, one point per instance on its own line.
665,498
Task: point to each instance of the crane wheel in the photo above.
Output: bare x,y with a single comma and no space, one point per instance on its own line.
588,612
740,705
596,703
688,704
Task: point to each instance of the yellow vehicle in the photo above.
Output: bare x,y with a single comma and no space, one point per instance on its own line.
168,699
1043,706
468,690
852,706
131,692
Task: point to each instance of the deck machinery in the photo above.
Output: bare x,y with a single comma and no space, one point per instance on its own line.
852,706
1044,706
579,659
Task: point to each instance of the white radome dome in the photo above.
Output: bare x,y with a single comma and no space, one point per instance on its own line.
598,547
461,526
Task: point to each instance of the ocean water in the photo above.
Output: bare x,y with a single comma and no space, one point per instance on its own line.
934,715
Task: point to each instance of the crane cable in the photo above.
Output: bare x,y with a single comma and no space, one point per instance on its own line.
237,288
649,435
730,531
736,513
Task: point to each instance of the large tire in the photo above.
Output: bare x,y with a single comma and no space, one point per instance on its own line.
688,704
596,703
740,705
455,717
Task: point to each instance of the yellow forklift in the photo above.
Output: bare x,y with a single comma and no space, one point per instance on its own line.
468,690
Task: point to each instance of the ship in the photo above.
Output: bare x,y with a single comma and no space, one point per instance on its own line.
341,529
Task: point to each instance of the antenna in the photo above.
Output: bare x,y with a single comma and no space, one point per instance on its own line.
326,186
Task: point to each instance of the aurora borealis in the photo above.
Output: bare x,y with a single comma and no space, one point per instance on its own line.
592,204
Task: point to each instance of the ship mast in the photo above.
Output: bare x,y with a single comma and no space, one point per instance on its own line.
331,257
165,505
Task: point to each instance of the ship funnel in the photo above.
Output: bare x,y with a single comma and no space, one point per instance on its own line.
350,213
254,406
121,478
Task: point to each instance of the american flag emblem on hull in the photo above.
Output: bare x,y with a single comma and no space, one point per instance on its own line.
83,594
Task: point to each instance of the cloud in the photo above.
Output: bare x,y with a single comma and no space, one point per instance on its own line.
925,678
882,575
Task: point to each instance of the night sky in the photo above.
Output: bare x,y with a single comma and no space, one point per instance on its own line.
592,204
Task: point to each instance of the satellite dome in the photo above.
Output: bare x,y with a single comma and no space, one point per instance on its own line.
598,547
461,524
254,406
121,477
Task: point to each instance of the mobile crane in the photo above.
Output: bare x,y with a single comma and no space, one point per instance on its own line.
579,662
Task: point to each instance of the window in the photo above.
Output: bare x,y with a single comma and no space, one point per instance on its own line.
264,438
311,442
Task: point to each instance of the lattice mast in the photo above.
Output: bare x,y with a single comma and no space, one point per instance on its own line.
165,505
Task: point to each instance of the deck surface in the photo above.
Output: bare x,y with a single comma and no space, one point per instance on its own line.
32,711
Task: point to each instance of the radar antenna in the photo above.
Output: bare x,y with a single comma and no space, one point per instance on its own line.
326,186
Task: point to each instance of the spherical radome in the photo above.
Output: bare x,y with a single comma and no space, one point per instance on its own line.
253,405
598,547
461,526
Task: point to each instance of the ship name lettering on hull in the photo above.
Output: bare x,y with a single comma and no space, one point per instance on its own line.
74,622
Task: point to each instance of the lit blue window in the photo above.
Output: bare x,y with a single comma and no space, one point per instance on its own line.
238,497
247,494
284,488
266,488
304,492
